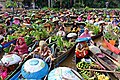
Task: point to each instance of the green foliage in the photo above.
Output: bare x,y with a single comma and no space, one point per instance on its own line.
10,3
110,36
86,8
96,29
60,43
11,37
39,32
118,69
28,39
68,44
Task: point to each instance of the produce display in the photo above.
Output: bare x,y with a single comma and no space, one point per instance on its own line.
83,68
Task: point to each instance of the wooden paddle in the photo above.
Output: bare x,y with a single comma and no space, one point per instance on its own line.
118,64
106,53
100,70
80,77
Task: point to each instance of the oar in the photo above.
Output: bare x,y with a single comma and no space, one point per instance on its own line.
97,63
104,51
100,70
118,64
80,77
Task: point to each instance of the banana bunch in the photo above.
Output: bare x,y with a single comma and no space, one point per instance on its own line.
83,65
102,77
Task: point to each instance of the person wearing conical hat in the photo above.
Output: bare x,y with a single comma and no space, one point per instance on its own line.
61,32
7,22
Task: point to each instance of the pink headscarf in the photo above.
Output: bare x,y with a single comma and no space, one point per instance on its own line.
84,34
21,49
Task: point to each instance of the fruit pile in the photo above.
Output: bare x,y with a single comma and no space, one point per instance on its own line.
90,75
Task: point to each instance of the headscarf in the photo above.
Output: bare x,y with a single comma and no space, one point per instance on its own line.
23,48
22,39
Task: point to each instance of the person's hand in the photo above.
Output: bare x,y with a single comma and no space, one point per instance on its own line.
53,59
12,44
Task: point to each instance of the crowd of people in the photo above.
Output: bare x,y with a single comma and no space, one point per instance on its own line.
96,17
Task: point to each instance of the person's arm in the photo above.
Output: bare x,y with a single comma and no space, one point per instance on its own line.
51,56
22,46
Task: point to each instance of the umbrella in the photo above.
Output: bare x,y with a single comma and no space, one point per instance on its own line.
65,73
34,69
83,39
70,35
10,59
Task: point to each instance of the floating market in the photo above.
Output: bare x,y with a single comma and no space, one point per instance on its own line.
59,43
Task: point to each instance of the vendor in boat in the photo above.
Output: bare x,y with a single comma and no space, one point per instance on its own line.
2,33
43,52
79,18
61,32
86,34
21,47
7,22
27,21
3,71
81,50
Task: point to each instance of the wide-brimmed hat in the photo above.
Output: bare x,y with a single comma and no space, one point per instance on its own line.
27,18
55,19
16,18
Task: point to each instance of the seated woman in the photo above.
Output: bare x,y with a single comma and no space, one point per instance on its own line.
86,34
21,47
61,32
43,51
81,50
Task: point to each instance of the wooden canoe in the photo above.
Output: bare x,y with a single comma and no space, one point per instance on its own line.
109,62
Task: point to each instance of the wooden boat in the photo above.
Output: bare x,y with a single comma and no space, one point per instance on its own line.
110,65
108,61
